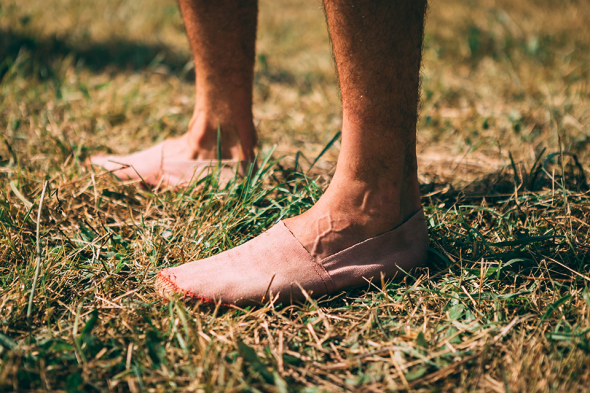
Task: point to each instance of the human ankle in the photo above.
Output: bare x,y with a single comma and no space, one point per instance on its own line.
208,132
351,211
387,198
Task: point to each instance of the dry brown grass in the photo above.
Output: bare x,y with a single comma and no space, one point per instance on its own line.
503,306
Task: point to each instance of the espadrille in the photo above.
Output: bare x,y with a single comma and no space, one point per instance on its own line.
276,266
150,166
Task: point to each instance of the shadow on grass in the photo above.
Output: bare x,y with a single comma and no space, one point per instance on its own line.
44,53
42,56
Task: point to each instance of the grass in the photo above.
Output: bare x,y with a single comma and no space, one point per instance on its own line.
504,304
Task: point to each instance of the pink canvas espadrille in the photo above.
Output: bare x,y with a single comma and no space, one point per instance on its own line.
275,265
150,166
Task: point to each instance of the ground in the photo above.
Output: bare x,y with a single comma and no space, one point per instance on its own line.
504,153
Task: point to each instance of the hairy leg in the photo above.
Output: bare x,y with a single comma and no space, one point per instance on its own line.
222,36
377,48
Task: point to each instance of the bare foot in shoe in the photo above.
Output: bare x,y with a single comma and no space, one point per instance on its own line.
176,162
352,234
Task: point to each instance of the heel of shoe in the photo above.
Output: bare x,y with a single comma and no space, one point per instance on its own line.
404,247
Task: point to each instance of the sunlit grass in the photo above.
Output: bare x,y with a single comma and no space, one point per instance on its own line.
504,153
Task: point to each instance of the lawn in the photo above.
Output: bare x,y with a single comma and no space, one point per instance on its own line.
504,155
